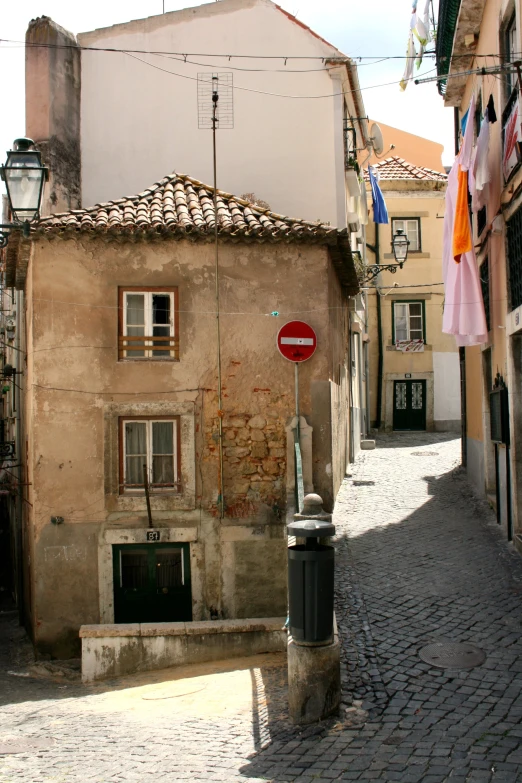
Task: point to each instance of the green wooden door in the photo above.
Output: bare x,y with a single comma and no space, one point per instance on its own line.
409,405
152,583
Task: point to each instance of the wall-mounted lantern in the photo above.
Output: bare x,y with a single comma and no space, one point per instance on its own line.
24,177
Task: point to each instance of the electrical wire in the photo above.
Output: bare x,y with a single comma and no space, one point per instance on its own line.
228,56
125,394
283,95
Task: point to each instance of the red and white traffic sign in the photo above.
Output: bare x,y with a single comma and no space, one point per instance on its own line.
296,341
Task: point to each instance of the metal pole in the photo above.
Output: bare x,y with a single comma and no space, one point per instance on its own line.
147,495
221,501
296,365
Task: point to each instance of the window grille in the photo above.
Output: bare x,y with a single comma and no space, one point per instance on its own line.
514,248
484,283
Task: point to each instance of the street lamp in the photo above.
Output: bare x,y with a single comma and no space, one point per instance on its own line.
400,245
24,177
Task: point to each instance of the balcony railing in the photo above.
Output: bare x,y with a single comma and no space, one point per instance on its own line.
131,347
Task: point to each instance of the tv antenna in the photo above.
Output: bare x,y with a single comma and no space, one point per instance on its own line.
216,111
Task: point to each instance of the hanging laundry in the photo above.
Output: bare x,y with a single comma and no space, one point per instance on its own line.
462,241
420,31
420,26
463,304
380,213
491,110
480,163
410,62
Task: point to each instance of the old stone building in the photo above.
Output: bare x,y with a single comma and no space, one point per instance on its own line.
116,328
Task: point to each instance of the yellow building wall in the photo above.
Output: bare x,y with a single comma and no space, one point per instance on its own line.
419,280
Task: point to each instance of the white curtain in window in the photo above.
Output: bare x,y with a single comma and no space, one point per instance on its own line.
135,319
401,322
135,451
163,452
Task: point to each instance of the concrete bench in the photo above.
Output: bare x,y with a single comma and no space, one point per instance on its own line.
115,650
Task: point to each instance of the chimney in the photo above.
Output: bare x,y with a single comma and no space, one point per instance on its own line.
52,109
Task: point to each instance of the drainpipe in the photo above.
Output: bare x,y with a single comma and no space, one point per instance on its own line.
351,445
17,377
366,367
376,249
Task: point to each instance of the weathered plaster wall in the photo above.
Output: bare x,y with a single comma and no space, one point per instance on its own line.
80,388
52,103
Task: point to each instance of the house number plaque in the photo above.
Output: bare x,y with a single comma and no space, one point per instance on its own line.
153,535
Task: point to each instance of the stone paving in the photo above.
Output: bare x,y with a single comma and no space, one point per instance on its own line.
419,560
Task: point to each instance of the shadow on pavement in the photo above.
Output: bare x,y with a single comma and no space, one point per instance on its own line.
439,573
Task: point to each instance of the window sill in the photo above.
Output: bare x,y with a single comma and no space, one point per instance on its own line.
169,501
157,493
149,359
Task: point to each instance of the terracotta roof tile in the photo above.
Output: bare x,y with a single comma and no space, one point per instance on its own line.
179,206
398,168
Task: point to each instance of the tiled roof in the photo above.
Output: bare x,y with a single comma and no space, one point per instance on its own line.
181,206
398,168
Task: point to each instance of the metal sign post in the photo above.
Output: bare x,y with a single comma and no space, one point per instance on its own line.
297,342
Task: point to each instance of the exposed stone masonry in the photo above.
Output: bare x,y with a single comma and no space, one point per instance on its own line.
254,461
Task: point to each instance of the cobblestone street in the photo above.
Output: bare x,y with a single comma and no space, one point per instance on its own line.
419,560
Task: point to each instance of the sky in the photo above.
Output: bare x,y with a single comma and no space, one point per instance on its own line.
368,29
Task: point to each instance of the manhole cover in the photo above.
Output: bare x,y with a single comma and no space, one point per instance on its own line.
424,453
452,655
9,747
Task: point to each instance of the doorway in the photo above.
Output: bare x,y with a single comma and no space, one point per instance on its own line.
409,405
152,583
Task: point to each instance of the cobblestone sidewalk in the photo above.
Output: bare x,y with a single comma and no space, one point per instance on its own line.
419,559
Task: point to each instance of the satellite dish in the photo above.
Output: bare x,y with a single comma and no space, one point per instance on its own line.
376,139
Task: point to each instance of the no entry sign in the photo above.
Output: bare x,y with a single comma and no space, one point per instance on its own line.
296,341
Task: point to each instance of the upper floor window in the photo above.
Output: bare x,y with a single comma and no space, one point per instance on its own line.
411,228
148,323
149,448
408,321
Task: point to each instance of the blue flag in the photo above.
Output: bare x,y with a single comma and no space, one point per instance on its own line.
380,213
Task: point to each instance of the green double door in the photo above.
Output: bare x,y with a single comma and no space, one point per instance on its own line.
409,405
152,583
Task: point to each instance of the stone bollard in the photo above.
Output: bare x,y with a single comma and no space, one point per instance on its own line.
314,681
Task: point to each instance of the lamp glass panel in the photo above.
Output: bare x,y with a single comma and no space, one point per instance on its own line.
400,247
24,178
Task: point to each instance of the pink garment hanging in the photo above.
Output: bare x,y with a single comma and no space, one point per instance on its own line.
464,315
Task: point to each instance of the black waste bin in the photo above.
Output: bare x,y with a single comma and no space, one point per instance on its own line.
311,582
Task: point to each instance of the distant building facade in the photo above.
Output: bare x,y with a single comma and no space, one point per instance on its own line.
414,369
